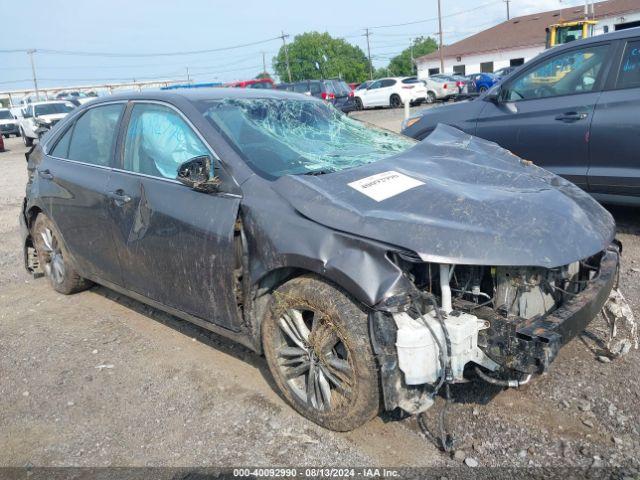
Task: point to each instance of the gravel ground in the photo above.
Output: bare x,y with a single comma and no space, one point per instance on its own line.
97,379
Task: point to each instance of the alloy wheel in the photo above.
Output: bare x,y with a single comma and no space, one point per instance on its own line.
53,259
314,360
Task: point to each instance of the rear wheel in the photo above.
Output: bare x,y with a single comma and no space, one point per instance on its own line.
395,101
482,89
316,342
431,97
54,259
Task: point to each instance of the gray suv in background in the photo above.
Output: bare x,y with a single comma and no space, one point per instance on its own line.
336,92
572,110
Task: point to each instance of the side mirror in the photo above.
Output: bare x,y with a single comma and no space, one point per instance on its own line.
196,173
493,96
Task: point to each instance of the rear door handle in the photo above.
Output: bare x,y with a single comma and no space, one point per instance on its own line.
119,197
46,174
572,116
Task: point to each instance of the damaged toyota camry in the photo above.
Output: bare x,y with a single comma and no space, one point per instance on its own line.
368,268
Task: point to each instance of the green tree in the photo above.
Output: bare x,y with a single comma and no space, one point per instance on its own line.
319,55
262,75
401,65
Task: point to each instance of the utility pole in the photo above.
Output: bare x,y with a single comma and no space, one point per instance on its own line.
286,54
264,63
366,34
188,77
33,71
440,33
411,53
508,15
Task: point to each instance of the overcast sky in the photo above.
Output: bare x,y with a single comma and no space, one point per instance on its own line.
147,27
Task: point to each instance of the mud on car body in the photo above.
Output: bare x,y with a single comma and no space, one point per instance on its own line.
367,267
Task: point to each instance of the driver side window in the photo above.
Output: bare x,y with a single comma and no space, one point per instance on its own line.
376,84
159,141
572,72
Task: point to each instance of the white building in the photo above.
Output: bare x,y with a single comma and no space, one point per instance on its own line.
516,41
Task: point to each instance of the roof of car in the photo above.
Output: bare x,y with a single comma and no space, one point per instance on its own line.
199,94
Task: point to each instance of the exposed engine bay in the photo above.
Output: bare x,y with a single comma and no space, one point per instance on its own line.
505,323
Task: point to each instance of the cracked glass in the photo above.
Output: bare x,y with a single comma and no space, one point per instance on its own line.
279,137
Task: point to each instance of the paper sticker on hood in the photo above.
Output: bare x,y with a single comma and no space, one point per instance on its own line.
385,185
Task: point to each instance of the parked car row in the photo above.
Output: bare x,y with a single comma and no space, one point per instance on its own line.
334,91
572,110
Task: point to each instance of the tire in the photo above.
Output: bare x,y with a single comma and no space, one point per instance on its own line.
315,330
18,135
359,105
54,259
482,89
431,98
395,101
28,141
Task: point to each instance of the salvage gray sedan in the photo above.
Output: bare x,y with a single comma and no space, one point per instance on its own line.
370,269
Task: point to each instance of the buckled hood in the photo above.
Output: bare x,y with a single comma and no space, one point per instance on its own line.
455,198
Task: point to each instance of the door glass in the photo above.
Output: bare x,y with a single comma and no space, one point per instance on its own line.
94,135
576,71
629,75
159,141
375,85
61,150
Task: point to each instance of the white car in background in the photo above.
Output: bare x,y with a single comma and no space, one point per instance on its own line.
390,92
37,118
8,123
441,87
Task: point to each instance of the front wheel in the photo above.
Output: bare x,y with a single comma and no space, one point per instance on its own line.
316,342
359,105
54,259
431,97
483,89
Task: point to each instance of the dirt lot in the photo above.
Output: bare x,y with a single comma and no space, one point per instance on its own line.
96,379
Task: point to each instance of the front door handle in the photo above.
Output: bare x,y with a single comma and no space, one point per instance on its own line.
119,197
46,174
569,117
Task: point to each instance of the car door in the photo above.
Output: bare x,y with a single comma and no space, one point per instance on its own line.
73,178
614,164
370,95
544,113
176,244
383,95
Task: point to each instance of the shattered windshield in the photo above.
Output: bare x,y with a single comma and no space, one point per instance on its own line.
279,137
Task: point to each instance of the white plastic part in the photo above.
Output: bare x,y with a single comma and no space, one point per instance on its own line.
445,289
418,351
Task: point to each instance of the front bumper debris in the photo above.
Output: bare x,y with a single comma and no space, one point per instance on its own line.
529,346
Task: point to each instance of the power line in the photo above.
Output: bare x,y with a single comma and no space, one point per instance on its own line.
462,12
158,54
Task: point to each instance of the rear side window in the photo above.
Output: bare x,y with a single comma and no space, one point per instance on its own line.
314,88
61,150
388,83
301,87
629,75
93,136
